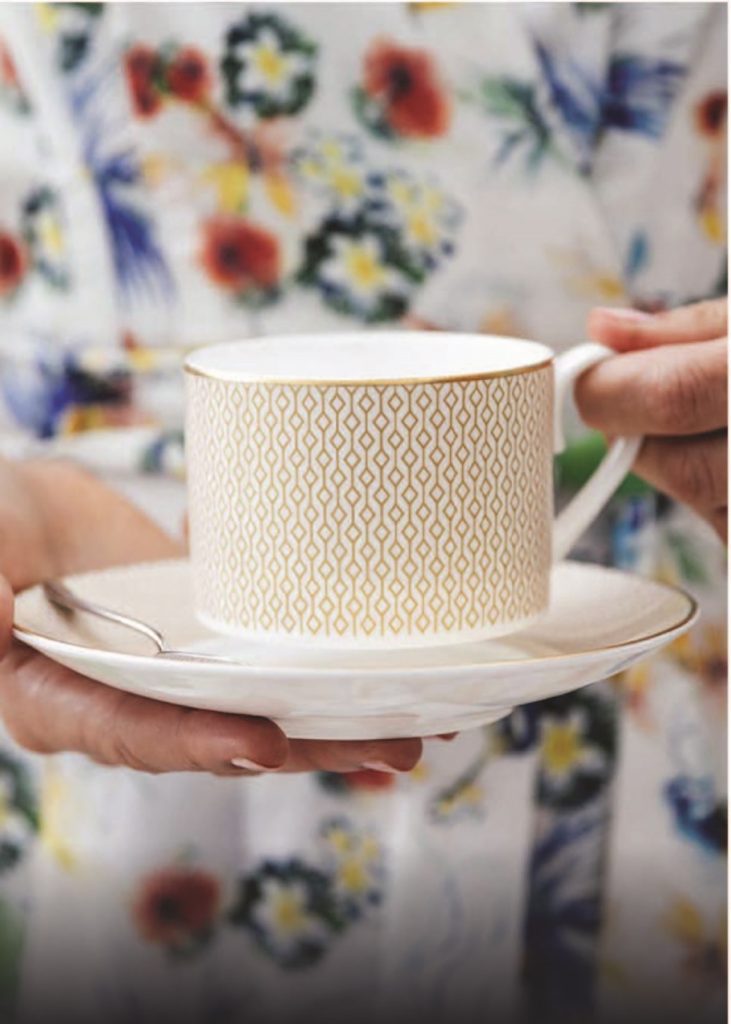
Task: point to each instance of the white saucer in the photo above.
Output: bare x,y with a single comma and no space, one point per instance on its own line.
600,621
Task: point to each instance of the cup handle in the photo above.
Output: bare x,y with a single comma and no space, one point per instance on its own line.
571,522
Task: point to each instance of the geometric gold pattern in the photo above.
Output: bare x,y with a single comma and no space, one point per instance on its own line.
388,510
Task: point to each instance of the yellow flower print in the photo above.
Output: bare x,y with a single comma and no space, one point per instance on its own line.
703,651
155,168
346,182
339,838
356,265
280,193
635,686
585,279
704,940
501,321
50,234
713,225
352,876
269,68
356,863
467,798
419,773
336,166
284,915
47,15
59,819
565,751
230,181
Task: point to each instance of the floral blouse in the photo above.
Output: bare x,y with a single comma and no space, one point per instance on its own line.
178,174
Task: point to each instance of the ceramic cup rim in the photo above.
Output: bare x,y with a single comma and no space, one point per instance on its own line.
198,362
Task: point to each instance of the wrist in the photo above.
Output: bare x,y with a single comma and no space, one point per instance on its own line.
60,491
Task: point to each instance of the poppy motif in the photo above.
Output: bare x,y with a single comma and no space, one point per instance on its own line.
13,263
12,94
177,908
241,257
142,69
188,76
711,113
400,94
268,65
710,120
170,73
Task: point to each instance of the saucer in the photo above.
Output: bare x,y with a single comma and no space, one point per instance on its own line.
600,621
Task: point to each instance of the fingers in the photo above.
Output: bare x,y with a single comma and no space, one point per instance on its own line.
693,470
6,616
679,390
49,708
380,755
628,329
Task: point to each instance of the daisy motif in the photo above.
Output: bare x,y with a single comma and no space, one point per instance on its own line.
357,269
268,64
284,917
334,166
566,752
356,865
43,232
426,218
265,67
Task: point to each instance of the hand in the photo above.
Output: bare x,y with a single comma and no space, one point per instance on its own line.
670,385
56,519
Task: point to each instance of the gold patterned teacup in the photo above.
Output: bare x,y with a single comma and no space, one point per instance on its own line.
380,490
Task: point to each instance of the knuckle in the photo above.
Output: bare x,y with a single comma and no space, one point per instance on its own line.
712,315
691,473
677,397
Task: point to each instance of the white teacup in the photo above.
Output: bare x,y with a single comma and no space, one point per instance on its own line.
380,490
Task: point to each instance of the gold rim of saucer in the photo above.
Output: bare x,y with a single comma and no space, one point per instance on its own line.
299,382
693,609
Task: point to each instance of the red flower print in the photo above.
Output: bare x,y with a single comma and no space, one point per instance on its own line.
188,76
406,82
8,72
239,255
710,113
368,779
176,905
141,67
13,263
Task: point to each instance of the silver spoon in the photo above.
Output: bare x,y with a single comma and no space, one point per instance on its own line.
63,597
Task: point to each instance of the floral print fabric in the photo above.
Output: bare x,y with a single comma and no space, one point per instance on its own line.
173,178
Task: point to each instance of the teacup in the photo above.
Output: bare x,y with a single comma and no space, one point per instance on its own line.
380,490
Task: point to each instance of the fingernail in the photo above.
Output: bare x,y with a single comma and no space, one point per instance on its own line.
252,766
381,766
630,315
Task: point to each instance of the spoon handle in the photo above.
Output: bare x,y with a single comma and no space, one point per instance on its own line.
63,597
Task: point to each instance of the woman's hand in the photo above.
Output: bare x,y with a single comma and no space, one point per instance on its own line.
56,519
669,385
